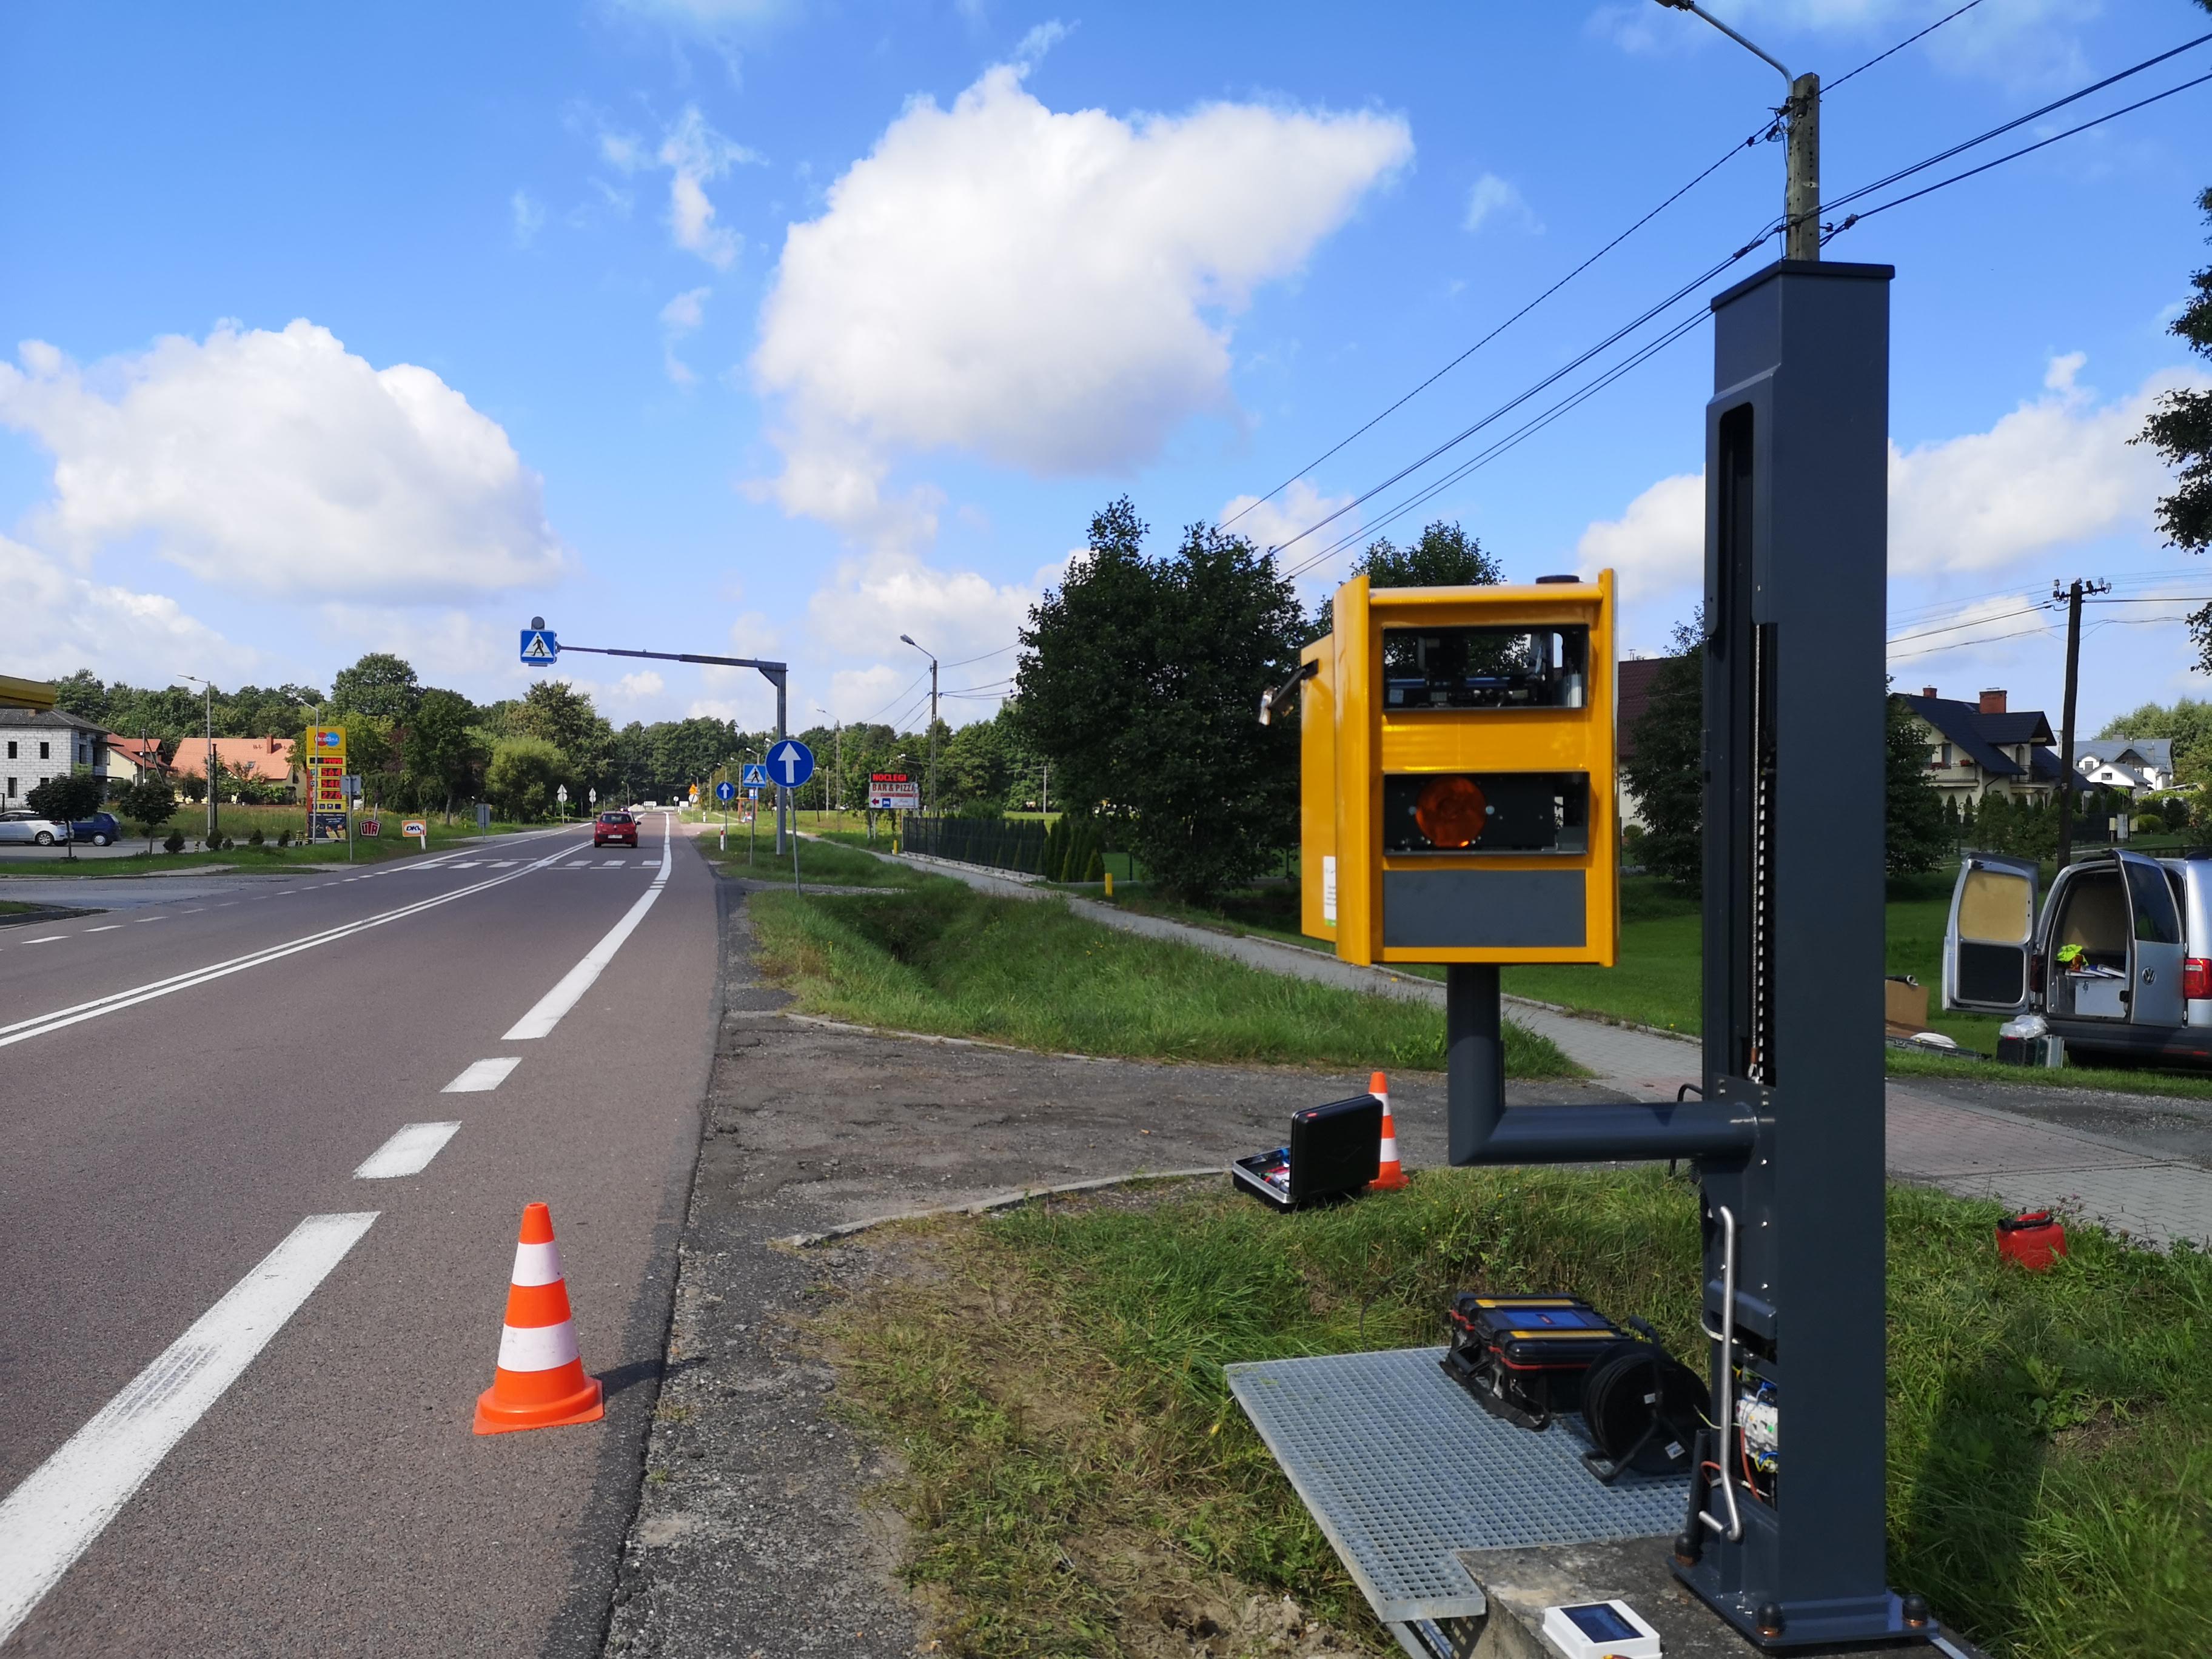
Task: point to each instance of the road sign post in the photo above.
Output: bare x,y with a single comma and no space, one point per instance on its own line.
561,795
418,828
725,792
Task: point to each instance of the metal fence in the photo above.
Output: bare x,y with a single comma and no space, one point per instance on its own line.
996,842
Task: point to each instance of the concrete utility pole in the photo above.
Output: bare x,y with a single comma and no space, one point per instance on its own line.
208,686
2071,594
1800,116
907,638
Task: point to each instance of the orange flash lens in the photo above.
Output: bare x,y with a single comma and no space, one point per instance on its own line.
1451,812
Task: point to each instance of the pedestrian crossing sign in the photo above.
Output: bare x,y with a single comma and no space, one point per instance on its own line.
756,775
540,647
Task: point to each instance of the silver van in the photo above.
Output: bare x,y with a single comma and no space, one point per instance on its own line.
2119,961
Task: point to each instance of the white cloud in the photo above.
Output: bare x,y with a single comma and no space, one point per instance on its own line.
1272,522
282,464
60,622
2058,470
529,216
1046,289
679,316
1040,40
1494,200
695,155
1658,545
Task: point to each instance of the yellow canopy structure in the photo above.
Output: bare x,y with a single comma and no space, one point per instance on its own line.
25,694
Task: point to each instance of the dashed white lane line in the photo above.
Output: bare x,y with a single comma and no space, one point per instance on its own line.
465,864
153,917
541,1019
46,939
408,1152
576,864
481,1076
504,863
65,1502
108,927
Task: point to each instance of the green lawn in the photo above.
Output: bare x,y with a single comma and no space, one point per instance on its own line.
940,958
1073,1472
823,861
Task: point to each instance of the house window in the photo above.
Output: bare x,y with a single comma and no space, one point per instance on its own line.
11,782
11,749
1947,754
45,751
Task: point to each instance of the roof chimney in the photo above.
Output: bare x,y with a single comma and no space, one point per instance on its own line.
1993,702
1927,691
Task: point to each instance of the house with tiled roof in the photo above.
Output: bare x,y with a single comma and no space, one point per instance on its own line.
268,759
1984,748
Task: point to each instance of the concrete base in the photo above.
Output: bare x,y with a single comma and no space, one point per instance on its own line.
1518,1584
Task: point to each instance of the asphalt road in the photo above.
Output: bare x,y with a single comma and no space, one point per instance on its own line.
190,1082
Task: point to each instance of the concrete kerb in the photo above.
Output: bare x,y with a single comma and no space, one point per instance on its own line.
997,1201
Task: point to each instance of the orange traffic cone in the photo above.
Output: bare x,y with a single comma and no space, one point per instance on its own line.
1392,1176
540,1383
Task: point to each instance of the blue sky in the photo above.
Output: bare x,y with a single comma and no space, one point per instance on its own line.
734,325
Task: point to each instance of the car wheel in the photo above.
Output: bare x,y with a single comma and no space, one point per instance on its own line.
45,838
100,841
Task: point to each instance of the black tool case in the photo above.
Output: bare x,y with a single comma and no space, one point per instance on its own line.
1334,1150
1524,1357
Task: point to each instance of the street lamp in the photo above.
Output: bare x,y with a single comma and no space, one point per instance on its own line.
837,768
209,687
907,638
1801,195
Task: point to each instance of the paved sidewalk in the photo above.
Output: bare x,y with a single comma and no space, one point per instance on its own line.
1973,1151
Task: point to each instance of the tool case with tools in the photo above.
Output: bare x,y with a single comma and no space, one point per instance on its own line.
1524,1357
1335,1151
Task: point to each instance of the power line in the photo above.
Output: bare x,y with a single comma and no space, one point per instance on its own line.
1528,429
1942,157
1962,644
1899,47
987,656
1830,233
1760,137
897,696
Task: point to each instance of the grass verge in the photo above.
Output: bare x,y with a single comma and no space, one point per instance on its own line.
1078,1480
823,861
249,859
942,958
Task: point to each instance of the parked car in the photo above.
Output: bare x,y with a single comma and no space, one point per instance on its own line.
22,827
102,829
614,830
2117,961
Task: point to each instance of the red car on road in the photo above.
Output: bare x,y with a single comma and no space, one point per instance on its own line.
614,830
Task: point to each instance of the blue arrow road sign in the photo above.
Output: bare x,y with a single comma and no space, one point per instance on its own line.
540,647
756,775
790,764
725,790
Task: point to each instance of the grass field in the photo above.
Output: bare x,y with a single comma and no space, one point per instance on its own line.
942,958
1076,1476
829,863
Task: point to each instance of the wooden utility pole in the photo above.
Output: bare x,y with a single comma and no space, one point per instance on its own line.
2071,594
1801,198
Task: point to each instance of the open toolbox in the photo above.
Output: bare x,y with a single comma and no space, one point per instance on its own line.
1334,1150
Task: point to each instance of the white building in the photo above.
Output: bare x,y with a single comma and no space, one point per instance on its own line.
2130,764
37,743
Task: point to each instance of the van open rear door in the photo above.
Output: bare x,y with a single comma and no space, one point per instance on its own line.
1991,935
2156,998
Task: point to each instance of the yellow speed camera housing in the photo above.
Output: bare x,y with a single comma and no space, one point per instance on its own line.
1458,798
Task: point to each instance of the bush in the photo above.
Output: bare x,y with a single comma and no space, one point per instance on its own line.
175,843
283,837
254,840
2147,824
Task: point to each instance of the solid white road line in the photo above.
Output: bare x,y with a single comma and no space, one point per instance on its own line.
64,1503
481,1076
541,1019
408,1152
40,1025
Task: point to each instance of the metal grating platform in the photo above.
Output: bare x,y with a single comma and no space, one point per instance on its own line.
1400,1468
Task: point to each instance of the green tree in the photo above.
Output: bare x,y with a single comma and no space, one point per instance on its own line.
442,752
380,684
151,801
1444,556
565,718
523,775
2180,428
66,798
1140,679
1916,829
82,694
2187,724
1668,773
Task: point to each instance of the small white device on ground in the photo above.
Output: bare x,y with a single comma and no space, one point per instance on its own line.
1600,1630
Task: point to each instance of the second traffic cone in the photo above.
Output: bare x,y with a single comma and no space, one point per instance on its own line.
1392,1176
540,1382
